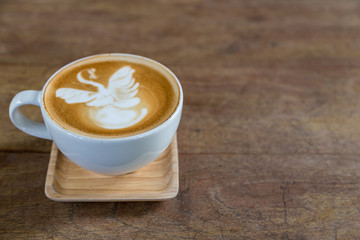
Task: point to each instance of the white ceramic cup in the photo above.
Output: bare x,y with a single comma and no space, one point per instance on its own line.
107,156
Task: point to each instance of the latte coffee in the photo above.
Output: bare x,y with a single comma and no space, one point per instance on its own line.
111,96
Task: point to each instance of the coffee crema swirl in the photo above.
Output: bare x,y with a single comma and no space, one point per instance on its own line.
109,97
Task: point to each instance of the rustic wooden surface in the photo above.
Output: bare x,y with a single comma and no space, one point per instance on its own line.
270,135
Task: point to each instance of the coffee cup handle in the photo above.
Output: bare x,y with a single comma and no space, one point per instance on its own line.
29,97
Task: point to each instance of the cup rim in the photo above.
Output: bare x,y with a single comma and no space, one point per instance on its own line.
178,108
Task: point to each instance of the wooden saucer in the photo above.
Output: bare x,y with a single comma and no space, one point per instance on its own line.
67,182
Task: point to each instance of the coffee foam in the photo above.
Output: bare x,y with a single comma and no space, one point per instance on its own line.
108,97
114,107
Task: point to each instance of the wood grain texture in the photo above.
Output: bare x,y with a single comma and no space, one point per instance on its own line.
269,138
159,180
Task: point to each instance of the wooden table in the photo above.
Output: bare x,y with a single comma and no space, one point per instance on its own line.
270,134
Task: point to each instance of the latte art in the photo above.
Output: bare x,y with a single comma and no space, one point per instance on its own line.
111,96
114,107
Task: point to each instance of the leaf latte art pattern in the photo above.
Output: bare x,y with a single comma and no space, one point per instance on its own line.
113,107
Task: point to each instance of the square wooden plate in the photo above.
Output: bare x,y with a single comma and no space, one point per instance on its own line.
67,182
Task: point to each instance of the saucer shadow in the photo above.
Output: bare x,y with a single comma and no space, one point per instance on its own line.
108,209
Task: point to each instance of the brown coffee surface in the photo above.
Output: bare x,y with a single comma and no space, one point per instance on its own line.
79,105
